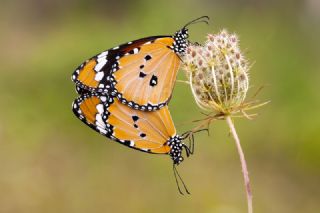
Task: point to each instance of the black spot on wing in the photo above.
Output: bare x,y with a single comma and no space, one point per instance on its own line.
153,81
135,118
126,142
143,135
142,75
147,57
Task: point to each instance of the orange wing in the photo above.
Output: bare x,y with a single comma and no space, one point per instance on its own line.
140,73
145,131
145,79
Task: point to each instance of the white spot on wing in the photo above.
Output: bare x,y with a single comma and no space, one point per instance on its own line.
99,76
102,59
100,108
135,50
101,63
103,98
102,130
100,124
103,54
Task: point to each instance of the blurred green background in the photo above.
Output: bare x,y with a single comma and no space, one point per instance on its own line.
51,162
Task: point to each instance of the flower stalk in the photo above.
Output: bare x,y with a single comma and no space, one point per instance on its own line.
244,167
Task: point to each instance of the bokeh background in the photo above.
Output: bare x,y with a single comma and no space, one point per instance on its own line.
51,162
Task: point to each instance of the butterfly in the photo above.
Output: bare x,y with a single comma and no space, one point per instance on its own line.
140,73
152,132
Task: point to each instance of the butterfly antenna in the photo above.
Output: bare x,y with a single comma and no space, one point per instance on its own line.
204,19
177,176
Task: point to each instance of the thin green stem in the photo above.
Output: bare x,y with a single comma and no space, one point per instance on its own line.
243,163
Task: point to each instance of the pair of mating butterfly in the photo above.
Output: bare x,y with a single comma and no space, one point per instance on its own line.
124,92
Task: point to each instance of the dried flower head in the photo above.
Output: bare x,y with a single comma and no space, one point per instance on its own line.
218,73
218,76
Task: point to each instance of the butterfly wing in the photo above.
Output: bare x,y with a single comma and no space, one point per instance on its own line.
92,74
145,131
140,73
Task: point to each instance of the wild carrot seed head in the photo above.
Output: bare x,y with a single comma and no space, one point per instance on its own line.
218,73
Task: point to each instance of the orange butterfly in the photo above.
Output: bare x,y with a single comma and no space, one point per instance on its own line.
152,132
140,73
